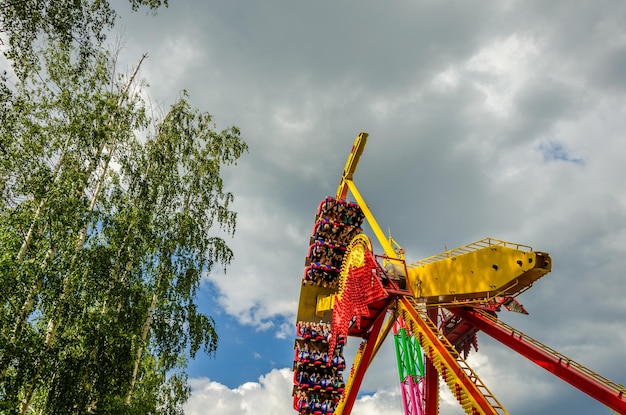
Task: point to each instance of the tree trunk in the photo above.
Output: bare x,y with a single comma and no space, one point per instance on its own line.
92,204
53,322
144,335
29,235
27,307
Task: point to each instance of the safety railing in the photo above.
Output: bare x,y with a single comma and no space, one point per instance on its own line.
474,246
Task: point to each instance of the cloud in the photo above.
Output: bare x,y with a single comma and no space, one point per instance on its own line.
492,119
499,71
271,394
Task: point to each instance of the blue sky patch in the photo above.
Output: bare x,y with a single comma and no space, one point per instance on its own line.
555,151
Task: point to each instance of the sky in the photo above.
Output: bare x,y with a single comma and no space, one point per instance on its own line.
501,118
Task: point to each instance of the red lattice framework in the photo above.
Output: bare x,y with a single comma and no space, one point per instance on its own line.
360,288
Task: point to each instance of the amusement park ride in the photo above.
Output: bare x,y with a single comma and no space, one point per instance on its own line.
434,307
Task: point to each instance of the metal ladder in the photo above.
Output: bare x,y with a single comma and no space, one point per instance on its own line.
463,382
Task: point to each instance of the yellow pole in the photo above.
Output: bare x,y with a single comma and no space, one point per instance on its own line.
382,239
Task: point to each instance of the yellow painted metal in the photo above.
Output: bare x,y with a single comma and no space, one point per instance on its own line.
351,164
324,304
353,257
382,239
463,382
480,270
307,306
346,184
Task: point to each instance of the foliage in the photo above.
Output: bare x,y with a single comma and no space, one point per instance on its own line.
108,222
80,22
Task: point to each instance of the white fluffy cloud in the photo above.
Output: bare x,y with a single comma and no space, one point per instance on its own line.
271,394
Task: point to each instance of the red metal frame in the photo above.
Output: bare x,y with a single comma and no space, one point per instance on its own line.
594,385
364,363
431,380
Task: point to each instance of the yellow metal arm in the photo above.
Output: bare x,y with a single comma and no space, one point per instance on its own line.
483,269
351,163
382,239
346,184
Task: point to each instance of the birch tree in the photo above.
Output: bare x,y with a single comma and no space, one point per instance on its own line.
108,222
25,24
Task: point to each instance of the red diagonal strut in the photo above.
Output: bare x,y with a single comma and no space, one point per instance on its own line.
601,389
365,361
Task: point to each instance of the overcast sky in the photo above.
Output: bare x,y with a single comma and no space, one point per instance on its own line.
500,118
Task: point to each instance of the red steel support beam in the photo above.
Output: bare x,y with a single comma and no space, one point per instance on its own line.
368,355
597,387
431,378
